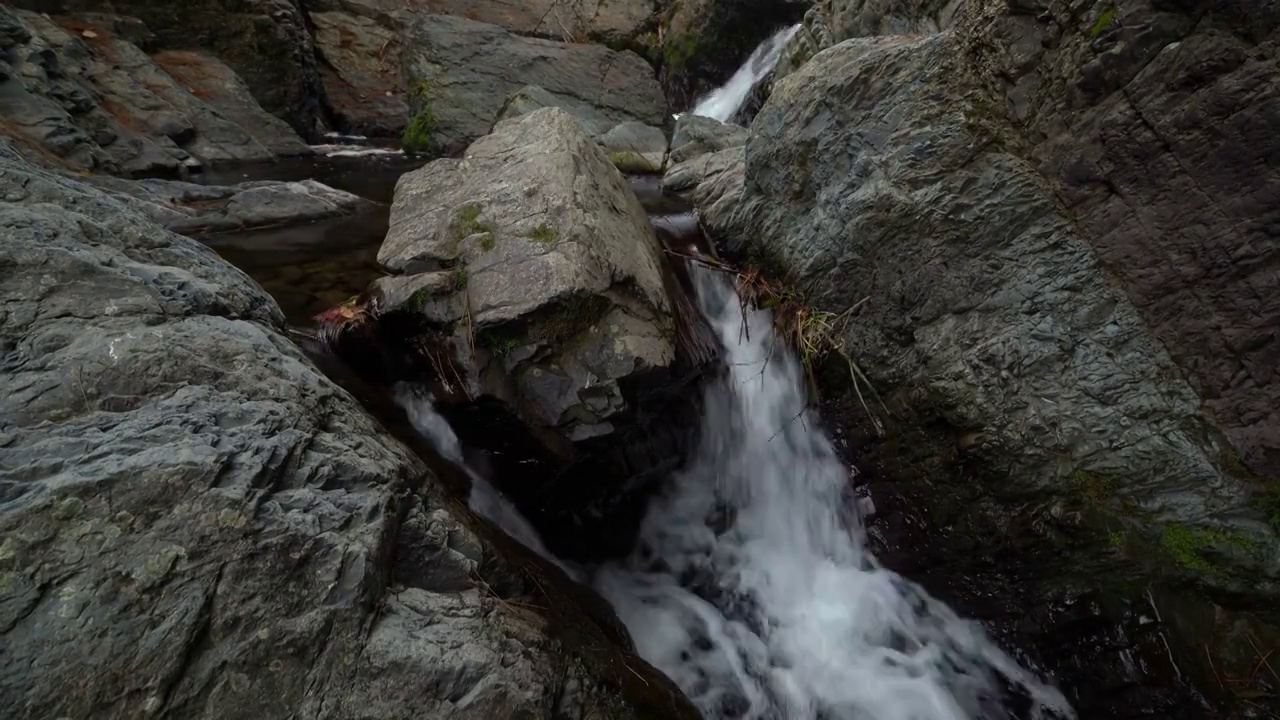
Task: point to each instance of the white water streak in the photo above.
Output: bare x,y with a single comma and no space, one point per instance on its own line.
721,103
753,589
485,499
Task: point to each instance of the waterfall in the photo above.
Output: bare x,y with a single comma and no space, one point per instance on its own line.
721,103
751,584
752,587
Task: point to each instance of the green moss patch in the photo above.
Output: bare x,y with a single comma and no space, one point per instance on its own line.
416,139
1104,21
544,234
467,223
1188,544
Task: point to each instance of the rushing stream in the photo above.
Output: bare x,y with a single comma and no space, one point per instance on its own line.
751,585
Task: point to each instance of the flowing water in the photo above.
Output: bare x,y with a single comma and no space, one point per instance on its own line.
752,586
721,103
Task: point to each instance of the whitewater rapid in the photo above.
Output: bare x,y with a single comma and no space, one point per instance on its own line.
752,587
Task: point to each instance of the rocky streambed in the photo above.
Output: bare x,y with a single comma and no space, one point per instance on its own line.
395,463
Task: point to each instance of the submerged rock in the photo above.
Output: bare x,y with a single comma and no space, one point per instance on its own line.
461,72
83,94
190,208
197,523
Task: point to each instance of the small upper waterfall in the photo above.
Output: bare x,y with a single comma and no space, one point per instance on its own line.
721,103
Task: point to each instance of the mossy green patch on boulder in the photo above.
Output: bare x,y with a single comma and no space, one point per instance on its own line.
417,138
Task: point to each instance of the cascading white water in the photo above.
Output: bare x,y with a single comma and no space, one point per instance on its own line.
721,103
752,587
484,500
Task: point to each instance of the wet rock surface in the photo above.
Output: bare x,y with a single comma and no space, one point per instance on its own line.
702,149
198,523
979,335
704,41
82,93
463,72
360,70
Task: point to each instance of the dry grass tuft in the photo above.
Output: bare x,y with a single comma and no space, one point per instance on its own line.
813,334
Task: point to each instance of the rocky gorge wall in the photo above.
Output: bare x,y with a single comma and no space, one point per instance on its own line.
1054,222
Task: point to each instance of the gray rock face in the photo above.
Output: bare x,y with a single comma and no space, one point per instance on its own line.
466,70
1158,124
701,150
696,135
531,97
93,100
632,147
982,301
556,271
189,208
361,71
198,524
614,21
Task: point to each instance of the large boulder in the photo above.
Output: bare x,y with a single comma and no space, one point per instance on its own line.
534,223
1158,124
531,97
615,22
197,523
460,73
532,261
81,92
1059,359
266,42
